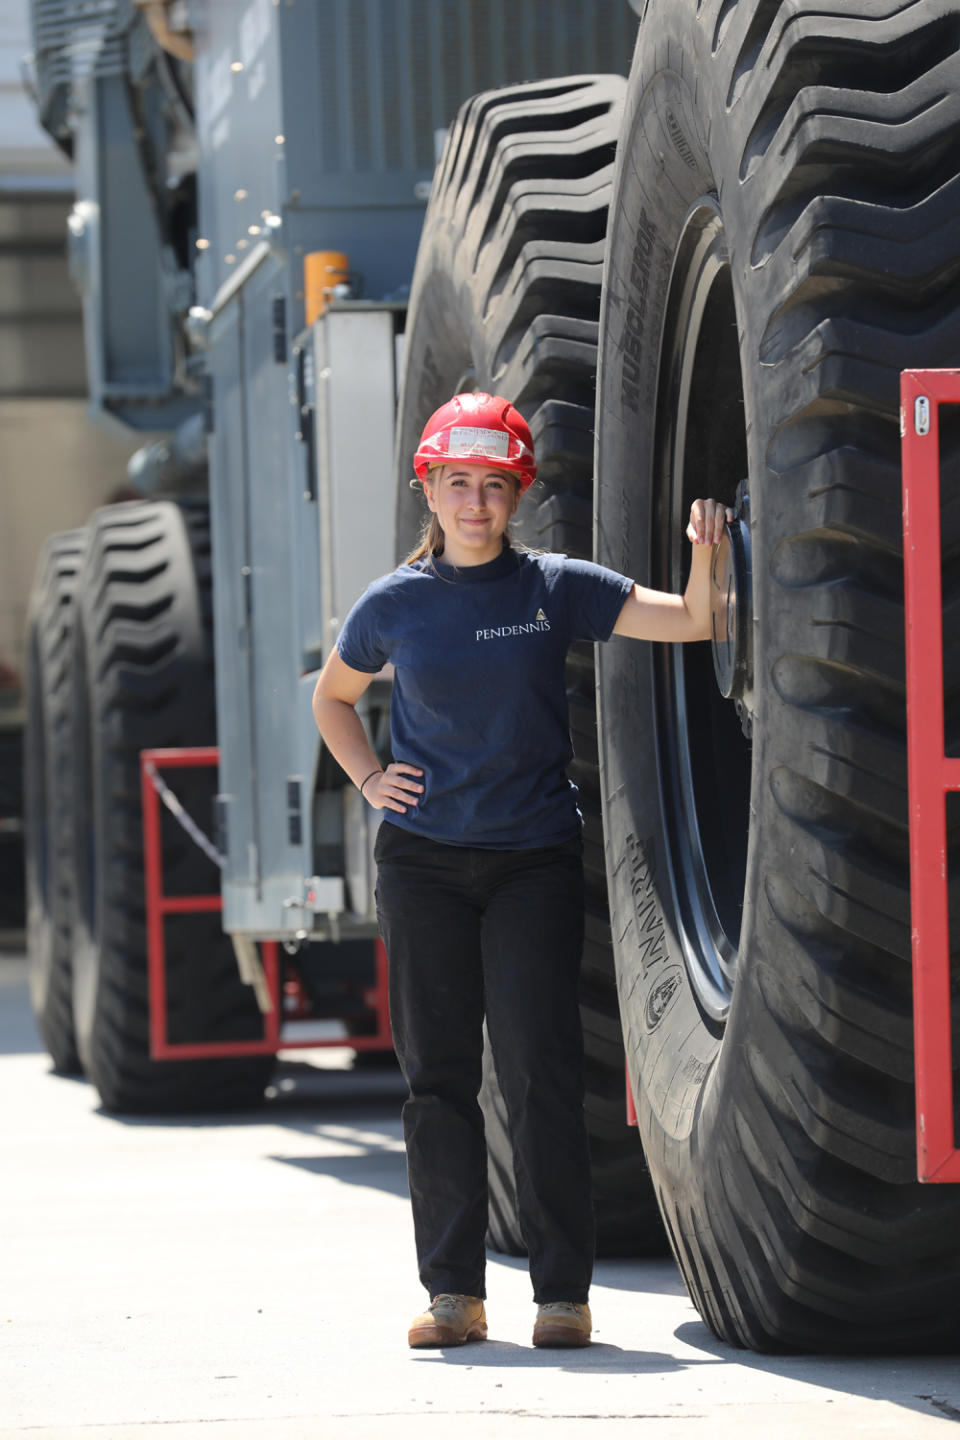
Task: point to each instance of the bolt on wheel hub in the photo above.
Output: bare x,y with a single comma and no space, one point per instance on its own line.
731,619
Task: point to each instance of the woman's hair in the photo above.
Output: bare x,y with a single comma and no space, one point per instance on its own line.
430,545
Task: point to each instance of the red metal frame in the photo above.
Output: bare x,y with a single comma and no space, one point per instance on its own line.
931,774
160,905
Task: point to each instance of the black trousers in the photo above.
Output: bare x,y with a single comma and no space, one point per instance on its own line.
498,933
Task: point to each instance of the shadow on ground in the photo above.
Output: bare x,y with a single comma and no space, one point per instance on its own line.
929,1385
919,1385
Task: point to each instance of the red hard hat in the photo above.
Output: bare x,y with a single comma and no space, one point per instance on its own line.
477,426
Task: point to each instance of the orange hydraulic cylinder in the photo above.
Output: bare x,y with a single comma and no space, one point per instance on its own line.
323,270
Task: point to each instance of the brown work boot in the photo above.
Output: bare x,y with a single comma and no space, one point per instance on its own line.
562,1323
449,1320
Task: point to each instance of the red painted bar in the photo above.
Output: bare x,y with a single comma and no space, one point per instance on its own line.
159,905
188,904
930,773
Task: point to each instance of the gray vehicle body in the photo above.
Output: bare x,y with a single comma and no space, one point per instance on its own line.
201,185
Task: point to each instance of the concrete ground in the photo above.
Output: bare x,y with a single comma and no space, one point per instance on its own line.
250,1278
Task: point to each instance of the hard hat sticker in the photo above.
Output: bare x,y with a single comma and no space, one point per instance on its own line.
473,440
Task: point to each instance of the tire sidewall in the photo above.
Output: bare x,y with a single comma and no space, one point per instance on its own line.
88,834
675,1050
97,765
39,819
48,753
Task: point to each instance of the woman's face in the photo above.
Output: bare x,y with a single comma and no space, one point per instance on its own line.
473,504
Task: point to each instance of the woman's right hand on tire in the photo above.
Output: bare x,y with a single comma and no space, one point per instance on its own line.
397,784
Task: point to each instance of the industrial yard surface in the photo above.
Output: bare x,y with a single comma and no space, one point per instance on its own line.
250,1277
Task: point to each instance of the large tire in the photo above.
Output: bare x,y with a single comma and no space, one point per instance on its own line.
12,882
787,208
143,678
506,298
48,791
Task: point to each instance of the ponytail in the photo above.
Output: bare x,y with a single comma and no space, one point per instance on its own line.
430,545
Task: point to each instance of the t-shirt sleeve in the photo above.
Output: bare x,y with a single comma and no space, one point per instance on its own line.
595,597
360,644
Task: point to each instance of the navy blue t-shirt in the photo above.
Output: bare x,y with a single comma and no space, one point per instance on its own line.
479,698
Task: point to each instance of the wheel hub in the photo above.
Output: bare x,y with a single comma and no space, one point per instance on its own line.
731,619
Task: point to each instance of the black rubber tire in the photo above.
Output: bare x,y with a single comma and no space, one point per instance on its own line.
787,207
506,298
143,678
48,768
12,880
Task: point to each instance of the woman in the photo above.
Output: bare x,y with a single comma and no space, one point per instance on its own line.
480,880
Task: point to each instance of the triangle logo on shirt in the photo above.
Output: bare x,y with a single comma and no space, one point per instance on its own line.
540,615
